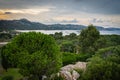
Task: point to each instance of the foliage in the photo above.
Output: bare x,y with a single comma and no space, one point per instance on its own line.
99,43
5,36
80,71
68,58
57,77
68,47
111,40
105,52
71,36
58,35
105,67
7,78
11,73
67,43
71,58
35,54
87,39
83,57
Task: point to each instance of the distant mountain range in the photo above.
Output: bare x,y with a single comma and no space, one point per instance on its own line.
24,24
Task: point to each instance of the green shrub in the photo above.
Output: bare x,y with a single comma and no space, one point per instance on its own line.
7,78
33,53
56,77
105,52
71,58
105,65
82,57
68,58
87,39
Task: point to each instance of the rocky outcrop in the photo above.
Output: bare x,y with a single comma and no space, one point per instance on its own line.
69,72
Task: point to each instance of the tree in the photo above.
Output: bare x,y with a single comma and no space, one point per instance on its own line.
71,36
68,58
58,35
105,65
5,36
35,54
68,47
87,38
101,43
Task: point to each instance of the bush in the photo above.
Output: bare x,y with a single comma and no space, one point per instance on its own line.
83,57
105,65
33,53
56,77
105,52
7,78
68,47
71,58
87,39
68,58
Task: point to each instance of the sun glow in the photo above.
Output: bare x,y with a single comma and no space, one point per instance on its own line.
25,11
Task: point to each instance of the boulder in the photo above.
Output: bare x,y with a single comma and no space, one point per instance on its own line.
68,72
66,75
75,75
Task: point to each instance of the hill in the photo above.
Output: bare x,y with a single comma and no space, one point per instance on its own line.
24,24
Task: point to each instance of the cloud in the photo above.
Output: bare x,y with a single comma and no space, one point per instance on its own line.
88,6
70,21
113,21
8,13
25,11
94,20
97,20
62,21
1,13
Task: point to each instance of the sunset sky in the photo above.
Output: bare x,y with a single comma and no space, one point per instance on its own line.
104,13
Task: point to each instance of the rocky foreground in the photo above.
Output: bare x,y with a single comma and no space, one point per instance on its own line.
69,72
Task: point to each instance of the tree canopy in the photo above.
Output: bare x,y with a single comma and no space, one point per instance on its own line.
35,54
87,38
105,65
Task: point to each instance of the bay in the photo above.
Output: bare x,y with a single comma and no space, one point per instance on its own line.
67,32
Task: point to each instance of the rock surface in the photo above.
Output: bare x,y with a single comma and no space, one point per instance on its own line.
68,72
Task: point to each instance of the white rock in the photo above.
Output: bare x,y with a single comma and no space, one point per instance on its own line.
66,75
80,65
68,72
75,75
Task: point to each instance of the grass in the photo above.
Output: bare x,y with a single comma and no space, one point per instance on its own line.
12,72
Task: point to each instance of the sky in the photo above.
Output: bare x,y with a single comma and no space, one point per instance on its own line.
104,13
